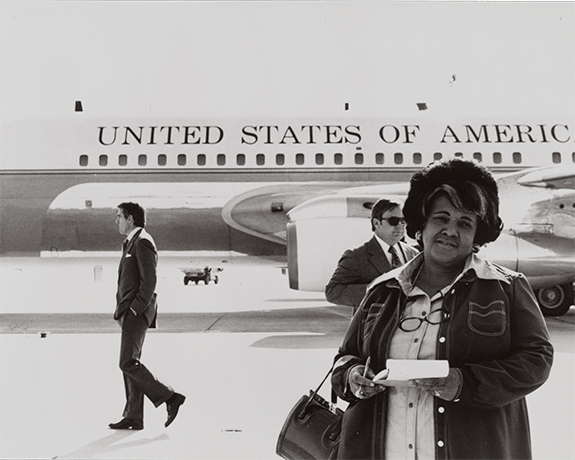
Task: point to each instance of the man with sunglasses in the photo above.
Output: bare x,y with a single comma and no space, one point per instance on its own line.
382,253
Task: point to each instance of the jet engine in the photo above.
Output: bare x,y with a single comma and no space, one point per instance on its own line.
318,233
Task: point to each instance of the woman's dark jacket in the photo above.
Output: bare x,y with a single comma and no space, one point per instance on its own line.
496,336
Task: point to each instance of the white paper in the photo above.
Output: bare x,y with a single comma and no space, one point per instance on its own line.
408,369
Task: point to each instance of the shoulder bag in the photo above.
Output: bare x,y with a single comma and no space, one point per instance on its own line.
312,429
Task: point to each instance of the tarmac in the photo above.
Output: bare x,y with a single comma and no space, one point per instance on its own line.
242,351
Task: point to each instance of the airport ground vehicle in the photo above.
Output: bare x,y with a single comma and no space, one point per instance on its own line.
200,274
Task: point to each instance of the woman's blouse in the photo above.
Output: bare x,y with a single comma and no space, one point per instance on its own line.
410,431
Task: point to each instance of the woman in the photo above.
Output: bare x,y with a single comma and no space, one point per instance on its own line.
446,304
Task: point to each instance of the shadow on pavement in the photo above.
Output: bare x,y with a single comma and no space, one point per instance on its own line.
301,341
324,320
108,444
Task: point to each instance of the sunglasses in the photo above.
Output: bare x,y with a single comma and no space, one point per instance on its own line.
393,221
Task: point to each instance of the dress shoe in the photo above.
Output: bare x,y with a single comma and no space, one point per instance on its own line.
173,405
128,424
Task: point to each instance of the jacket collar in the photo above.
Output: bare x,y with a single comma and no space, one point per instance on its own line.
132,233
475,267
131,238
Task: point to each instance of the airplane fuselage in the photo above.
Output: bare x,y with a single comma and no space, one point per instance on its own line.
43,161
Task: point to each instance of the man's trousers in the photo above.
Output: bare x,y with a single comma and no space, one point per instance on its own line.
138,380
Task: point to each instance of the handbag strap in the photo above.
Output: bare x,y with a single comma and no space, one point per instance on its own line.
333,394
323,381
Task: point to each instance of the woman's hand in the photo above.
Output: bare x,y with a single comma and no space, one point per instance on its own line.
363,387
444,388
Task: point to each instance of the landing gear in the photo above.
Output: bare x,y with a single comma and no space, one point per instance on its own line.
555,300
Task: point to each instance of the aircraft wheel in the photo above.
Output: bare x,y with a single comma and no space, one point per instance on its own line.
215,279
555,300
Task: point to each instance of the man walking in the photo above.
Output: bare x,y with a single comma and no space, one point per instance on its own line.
136,310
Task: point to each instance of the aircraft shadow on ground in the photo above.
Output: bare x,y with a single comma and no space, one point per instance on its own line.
301,341
304,320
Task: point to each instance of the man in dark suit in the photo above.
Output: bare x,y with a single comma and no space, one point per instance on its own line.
136,310
385,251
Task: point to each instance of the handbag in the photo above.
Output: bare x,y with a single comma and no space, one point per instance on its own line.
312,429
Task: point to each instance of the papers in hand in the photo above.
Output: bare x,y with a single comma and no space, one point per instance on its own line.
402,370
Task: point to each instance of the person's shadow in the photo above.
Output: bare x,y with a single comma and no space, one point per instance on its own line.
109,444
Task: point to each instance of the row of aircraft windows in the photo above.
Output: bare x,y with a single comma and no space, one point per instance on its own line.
300,159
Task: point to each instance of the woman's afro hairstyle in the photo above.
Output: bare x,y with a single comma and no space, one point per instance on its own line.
475,187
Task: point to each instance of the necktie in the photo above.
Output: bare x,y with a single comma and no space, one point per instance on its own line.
395,262
124,245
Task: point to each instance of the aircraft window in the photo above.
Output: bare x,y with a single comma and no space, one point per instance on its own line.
478,157
319,158
338,158
398,158
379,159
201,159
123,160
497,158
280,159
299,159
182,160
103,160
142,160
221,159
260,159
162,160
458,155
359,158
240,159
83,160
573,157
556,157
417,158
517,158
437,156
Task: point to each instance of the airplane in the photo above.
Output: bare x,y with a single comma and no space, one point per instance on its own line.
235,189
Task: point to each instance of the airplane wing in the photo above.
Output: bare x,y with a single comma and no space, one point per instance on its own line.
329,217
263,212
563,177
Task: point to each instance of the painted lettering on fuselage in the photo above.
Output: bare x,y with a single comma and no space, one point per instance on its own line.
507,134
351,134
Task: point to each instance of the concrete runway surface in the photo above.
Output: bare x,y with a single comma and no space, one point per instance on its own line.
242,351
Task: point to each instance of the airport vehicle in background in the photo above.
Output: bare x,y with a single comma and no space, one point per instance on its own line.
277,190
200,274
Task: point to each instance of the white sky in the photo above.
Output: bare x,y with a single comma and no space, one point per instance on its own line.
300,59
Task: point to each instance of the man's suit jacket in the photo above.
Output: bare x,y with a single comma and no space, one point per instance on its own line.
137,279
359,267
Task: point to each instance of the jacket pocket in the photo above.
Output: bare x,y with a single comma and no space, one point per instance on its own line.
370,319
489,320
